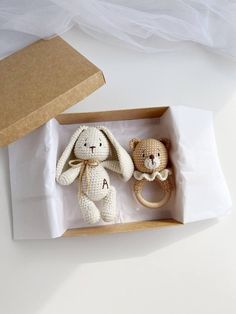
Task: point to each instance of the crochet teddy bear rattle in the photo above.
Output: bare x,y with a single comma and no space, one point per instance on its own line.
150,158
94,149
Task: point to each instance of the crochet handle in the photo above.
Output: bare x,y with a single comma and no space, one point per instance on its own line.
138,187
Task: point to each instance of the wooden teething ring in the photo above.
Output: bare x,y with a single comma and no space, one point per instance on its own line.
165,186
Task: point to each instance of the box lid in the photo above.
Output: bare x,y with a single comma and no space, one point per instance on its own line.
39,82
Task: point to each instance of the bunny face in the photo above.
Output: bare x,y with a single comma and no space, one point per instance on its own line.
92,144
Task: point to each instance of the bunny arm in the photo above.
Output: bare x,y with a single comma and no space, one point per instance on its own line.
112,165
69,176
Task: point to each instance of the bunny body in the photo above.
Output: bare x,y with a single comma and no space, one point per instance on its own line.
98,189
95,149
99,183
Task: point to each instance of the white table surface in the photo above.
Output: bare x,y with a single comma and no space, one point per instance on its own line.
189,269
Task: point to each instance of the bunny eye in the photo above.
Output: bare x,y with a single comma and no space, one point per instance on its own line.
158,154
143,155
100,144
85,144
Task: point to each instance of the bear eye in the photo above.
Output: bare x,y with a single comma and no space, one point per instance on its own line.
85,144
100,144
143,155
158,154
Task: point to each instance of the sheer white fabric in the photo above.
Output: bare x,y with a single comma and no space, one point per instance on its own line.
149,26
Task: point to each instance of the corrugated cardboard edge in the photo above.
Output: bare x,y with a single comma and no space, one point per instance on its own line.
122,227
114,115
48,111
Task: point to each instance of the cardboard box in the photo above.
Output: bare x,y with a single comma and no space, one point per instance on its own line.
41,81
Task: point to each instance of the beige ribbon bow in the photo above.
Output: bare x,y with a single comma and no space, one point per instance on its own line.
75,163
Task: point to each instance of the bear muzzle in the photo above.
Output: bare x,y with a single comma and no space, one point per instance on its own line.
152,162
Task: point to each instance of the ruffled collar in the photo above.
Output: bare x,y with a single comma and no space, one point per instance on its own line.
161,175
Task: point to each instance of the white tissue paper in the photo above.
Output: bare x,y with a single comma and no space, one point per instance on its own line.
43,209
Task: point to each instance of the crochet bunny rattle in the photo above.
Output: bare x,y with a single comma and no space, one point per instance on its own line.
94,149
150,158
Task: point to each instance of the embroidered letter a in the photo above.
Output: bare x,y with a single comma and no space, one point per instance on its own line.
105,183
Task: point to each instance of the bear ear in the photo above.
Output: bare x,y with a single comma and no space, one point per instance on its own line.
166,142
133,143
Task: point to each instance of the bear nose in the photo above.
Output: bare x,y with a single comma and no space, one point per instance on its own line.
92,147
151,157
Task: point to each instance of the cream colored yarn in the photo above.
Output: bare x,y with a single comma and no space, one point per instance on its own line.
94,149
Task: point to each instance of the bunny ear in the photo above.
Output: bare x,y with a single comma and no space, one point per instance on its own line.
125,163
64,159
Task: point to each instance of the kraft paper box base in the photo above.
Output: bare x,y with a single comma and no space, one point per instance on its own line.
43,209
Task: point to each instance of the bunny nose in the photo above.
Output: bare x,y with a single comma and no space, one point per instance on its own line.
151,157
92,147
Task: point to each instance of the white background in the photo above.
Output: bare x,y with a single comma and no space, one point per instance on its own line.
187,269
